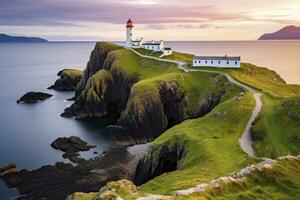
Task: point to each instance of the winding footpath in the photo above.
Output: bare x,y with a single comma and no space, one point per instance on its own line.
245,141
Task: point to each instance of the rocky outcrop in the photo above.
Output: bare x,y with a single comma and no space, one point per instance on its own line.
143,112
71,146
96,63
103,88
63,179
9,168
34,97
69,78
159,159
150,112
105,92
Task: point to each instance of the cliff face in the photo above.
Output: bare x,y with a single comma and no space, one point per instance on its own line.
105,92
147,103
150,112
69,78
96,63
102,88
159,159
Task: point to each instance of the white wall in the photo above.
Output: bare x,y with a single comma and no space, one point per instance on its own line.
215,63
129,36
155,47
166,53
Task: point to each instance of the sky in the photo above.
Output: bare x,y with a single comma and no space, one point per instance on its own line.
81,20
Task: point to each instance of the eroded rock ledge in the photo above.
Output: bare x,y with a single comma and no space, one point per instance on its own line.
159,159
33,97
69,78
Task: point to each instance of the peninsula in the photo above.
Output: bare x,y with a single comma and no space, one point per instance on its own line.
14,39
286,33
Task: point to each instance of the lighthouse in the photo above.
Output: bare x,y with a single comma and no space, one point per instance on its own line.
129,33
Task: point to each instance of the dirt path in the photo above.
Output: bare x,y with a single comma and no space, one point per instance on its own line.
245,141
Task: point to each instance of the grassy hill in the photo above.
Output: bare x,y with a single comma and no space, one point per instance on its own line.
201,148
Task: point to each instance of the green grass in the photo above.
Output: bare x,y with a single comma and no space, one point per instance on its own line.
133,64
277,130
84,196
282,182
188,58
71,72
261,78
148,52
213,147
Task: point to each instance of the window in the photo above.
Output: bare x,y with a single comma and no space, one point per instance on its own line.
199,61
206,62
212,62
227,62
236,62
219,62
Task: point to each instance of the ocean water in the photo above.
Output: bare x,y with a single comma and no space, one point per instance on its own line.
26,131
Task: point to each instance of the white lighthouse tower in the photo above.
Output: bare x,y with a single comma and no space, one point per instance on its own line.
129,33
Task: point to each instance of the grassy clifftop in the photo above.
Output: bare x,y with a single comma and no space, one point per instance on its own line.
212,146
149,96
200,118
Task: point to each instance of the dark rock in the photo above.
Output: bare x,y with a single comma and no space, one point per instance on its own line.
105,93
69,78
159,159
9,168
71,146
96,63
149,114
34,97
63,179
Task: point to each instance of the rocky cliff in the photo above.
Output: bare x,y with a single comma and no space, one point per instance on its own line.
96,63
68,80
103,88
159,159
151,111
146,101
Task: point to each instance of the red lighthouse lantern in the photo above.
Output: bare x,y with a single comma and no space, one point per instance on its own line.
129,24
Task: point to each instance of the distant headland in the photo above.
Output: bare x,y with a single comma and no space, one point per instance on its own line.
286,33
10,39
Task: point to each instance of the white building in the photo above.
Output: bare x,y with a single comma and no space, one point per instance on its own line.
130,42
138,43
217,61
167,51
154,46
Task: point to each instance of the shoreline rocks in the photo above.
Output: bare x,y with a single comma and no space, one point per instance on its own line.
33,97
71,146
69,78
63,179
9,168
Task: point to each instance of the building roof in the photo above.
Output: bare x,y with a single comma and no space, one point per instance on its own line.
168,48
129,24
152,43
217,58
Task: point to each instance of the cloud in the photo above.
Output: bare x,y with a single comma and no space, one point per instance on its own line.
184,26
36,12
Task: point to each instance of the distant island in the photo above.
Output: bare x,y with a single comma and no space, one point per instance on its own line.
8,39
286,33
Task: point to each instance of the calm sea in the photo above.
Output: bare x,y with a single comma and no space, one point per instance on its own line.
26,131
